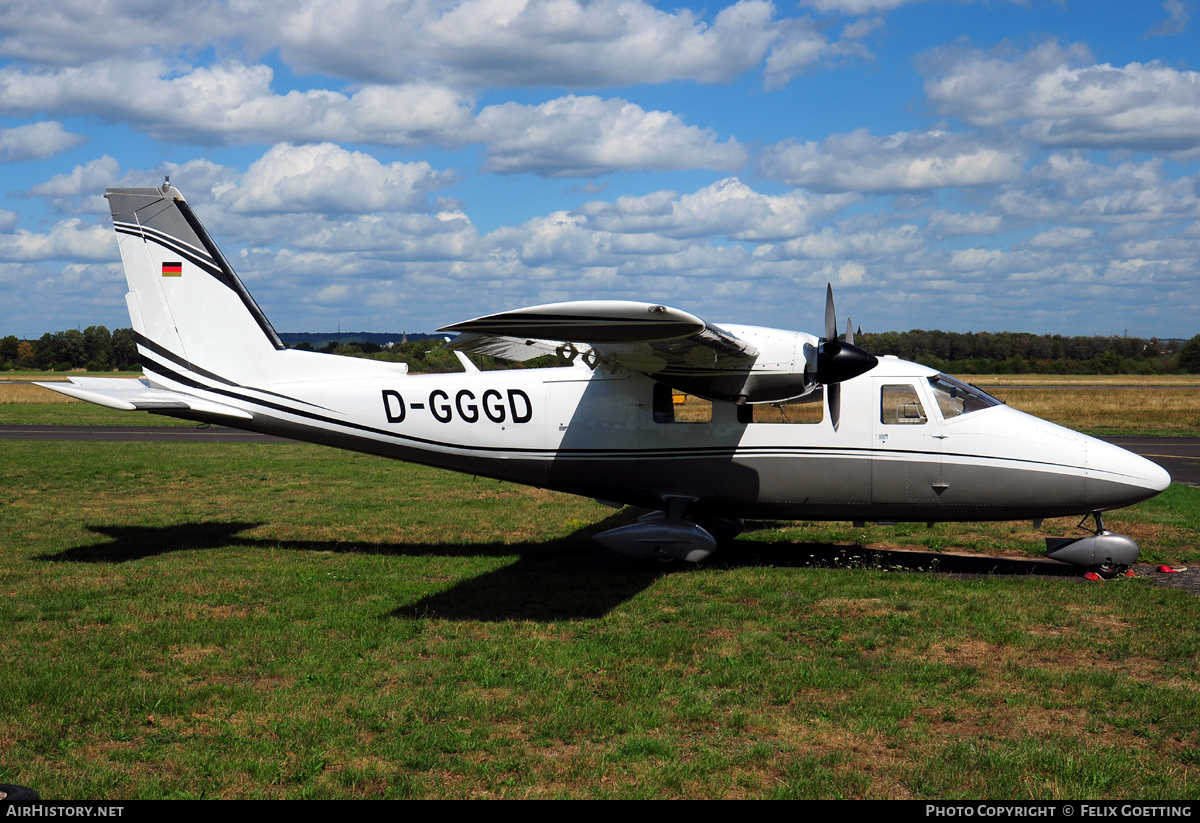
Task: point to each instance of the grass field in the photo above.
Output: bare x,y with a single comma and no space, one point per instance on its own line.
278,620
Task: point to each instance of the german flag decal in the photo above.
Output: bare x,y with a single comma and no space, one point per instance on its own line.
172,270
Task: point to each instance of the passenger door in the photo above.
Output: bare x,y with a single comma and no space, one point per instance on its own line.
907,448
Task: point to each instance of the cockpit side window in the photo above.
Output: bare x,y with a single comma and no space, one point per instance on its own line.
900,405
955,397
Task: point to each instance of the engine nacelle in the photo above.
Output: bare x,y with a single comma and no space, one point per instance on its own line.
656,536
1103,549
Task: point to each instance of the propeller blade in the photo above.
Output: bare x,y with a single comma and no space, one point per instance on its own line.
838,360
849,331
830,316
835,404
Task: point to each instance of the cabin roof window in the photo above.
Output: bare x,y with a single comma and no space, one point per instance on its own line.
955,397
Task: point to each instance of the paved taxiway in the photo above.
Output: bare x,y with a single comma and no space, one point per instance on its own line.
1178,455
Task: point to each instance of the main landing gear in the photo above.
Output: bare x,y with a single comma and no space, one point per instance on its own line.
1103,552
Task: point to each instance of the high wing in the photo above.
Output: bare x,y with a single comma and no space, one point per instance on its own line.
642,336
132,394
669,345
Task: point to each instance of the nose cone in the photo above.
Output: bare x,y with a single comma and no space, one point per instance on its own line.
1116,477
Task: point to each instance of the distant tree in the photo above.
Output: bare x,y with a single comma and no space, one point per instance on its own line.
124,350
44,352
26,356
73,348
97,343
8,349
61,347
1189,356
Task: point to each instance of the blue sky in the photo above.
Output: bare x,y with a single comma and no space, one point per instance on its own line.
391,166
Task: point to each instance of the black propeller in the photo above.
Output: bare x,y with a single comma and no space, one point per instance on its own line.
839,360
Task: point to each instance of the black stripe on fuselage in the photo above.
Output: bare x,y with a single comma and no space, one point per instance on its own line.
162,370
677,453
167,354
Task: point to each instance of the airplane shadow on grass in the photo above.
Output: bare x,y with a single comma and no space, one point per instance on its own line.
561,579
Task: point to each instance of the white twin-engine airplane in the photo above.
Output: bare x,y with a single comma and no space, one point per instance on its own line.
798,427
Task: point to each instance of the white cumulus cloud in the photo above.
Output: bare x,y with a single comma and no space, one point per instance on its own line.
234,103
905,161
856,8
34,141
468,43
1067,98
582,136
726,208
567,136
73,239
327,178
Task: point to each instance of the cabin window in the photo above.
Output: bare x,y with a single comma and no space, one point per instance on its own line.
955,398
675,407
900,405
807,410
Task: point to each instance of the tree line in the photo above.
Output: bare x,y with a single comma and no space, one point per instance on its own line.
1026,353
97,350
94,349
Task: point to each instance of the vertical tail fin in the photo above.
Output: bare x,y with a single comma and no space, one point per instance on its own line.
188,307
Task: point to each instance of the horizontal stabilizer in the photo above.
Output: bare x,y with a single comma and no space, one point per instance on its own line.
138,395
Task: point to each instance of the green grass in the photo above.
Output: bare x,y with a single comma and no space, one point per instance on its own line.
272,620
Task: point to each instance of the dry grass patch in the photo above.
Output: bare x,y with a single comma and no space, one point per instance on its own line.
860,607
27,393
989,381
1098,620
1172,410
194,654
968,651
230,611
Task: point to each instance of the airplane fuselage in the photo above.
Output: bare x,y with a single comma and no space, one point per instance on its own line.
599,434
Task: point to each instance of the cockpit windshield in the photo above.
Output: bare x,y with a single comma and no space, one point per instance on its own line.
955,397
